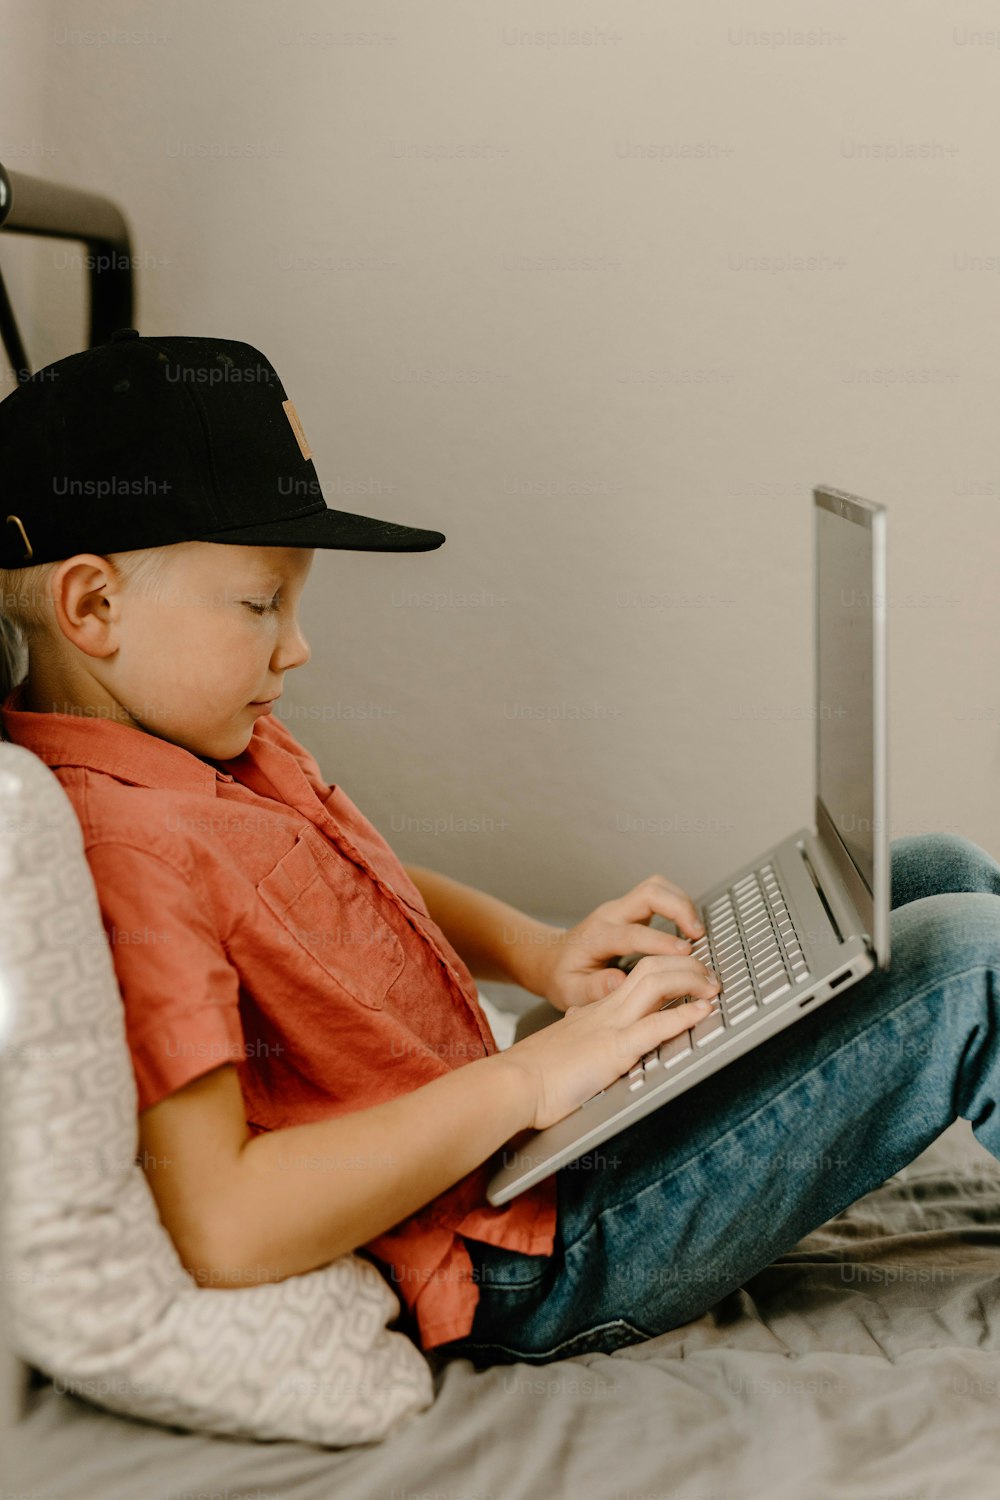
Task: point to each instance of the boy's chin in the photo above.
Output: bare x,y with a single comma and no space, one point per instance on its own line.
225,750
240,745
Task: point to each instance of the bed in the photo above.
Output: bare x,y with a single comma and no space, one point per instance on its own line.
865,1363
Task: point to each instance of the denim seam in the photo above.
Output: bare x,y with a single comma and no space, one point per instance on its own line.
553,1350
503,1286
906,1000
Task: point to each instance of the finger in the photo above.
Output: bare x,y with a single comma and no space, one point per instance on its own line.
670,976
662,1026
657,896
604,983
610,941
679,1018
606,942
635,937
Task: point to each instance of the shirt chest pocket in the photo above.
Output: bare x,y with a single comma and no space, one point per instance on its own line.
324,911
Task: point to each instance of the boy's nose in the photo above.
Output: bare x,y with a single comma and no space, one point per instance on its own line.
297,651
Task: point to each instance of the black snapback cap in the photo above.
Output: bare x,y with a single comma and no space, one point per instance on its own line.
142,442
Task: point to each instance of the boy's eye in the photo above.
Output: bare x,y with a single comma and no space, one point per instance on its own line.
262,609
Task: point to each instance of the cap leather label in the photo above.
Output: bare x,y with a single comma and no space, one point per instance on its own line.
296,426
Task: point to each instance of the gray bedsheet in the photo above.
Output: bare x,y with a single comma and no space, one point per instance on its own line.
865,1364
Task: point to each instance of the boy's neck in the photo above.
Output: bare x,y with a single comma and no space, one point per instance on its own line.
37,700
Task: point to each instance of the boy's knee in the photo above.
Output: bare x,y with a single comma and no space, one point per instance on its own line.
971,860
953,931
941,862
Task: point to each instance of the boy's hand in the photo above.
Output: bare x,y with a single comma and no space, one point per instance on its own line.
591,1046
576,971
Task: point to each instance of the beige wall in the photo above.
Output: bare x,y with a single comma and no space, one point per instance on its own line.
515,290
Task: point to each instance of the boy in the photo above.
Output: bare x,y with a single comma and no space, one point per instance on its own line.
315,1074
280,970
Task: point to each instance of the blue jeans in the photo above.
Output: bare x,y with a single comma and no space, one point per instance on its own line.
681,1208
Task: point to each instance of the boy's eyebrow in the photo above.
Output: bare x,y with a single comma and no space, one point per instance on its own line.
267,574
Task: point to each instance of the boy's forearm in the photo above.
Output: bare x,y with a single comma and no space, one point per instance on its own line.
495,941
301,1197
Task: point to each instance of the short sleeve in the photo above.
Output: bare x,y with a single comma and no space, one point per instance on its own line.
180,992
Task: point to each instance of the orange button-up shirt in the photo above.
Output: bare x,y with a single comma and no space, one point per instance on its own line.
257,917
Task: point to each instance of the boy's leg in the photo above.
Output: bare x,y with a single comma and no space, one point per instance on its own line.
684,1206
929,863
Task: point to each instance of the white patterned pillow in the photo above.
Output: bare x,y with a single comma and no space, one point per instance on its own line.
98,1297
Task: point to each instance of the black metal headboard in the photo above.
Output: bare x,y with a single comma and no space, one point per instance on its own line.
30,205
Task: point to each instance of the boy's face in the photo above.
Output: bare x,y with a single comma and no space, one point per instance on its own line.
190,664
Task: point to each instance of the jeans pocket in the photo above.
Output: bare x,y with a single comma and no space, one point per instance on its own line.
506,1270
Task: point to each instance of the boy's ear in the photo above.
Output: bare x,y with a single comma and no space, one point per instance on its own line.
84,590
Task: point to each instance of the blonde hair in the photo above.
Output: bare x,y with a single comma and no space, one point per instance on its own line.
26,618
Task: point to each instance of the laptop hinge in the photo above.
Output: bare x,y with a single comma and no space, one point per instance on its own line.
834,894
821,893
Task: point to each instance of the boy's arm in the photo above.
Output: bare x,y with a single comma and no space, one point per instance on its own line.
242,1209
494,940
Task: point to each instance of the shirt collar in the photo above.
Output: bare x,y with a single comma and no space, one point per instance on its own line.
99,744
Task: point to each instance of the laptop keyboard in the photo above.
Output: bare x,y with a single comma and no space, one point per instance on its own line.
751,943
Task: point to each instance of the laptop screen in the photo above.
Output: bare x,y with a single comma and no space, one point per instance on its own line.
844,687
851,744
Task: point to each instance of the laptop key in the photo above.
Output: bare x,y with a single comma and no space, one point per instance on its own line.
737,995
771,966
738,984
675,1050
762,929
732,983
730,968
705,1030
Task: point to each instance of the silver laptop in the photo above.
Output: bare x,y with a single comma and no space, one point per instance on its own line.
808,918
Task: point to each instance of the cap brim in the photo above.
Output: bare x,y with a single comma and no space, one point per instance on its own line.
338,529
